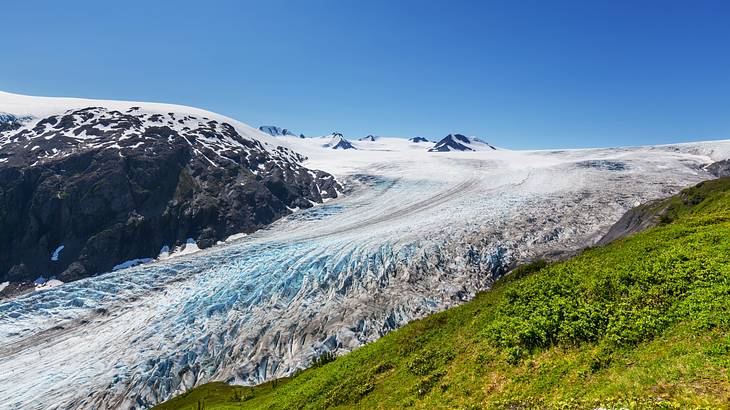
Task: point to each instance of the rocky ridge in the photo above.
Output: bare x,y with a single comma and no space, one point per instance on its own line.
459,142
87,189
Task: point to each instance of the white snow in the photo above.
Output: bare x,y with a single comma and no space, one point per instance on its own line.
164,253
190,246
40,107
48,284
235,237
57,253
132,262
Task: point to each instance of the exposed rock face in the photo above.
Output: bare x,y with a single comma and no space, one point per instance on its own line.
719,168
338,141
111,186
459,142
275,131
653,213
635,220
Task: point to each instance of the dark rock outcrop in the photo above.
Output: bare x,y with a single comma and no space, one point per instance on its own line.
452,142
339,142
719,168
458,142
635,220
275,131
664,210
113,186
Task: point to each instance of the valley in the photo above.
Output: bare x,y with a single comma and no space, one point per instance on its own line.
411,233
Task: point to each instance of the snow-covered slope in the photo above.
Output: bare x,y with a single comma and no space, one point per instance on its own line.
36,108
107,124
414,233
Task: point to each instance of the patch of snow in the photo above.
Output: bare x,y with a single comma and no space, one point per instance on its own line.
190,246
49,284
235,237
164,253
57,253
131,263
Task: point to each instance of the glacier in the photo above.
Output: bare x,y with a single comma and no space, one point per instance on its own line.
414,233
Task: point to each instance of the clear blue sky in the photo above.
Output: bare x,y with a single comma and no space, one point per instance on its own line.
521,74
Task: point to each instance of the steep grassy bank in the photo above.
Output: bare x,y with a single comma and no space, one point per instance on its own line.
643,322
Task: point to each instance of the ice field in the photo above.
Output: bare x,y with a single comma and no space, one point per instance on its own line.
414,233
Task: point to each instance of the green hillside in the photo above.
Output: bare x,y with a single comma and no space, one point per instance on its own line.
643,322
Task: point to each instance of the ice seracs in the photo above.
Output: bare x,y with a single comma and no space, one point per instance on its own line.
459,142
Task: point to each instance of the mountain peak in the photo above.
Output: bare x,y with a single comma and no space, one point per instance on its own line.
460,142
338,141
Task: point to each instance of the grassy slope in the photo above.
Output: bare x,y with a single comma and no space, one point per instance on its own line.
643,322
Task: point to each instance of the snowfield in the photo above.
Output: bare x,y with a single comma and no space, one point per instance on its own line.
414,233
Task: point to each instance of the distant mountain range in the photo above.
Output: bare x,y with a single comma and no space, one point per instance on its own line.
451,142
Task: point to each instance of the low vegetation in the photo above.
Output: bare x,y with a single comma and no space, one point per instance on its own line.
643,322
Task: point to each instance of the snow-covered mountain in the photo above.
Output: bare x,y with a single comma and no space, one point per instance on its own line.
89,184
458,142
337,141
275,131
413,233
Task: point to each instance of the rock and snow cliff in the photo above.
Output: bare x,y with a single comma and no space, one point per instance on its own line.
107,182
